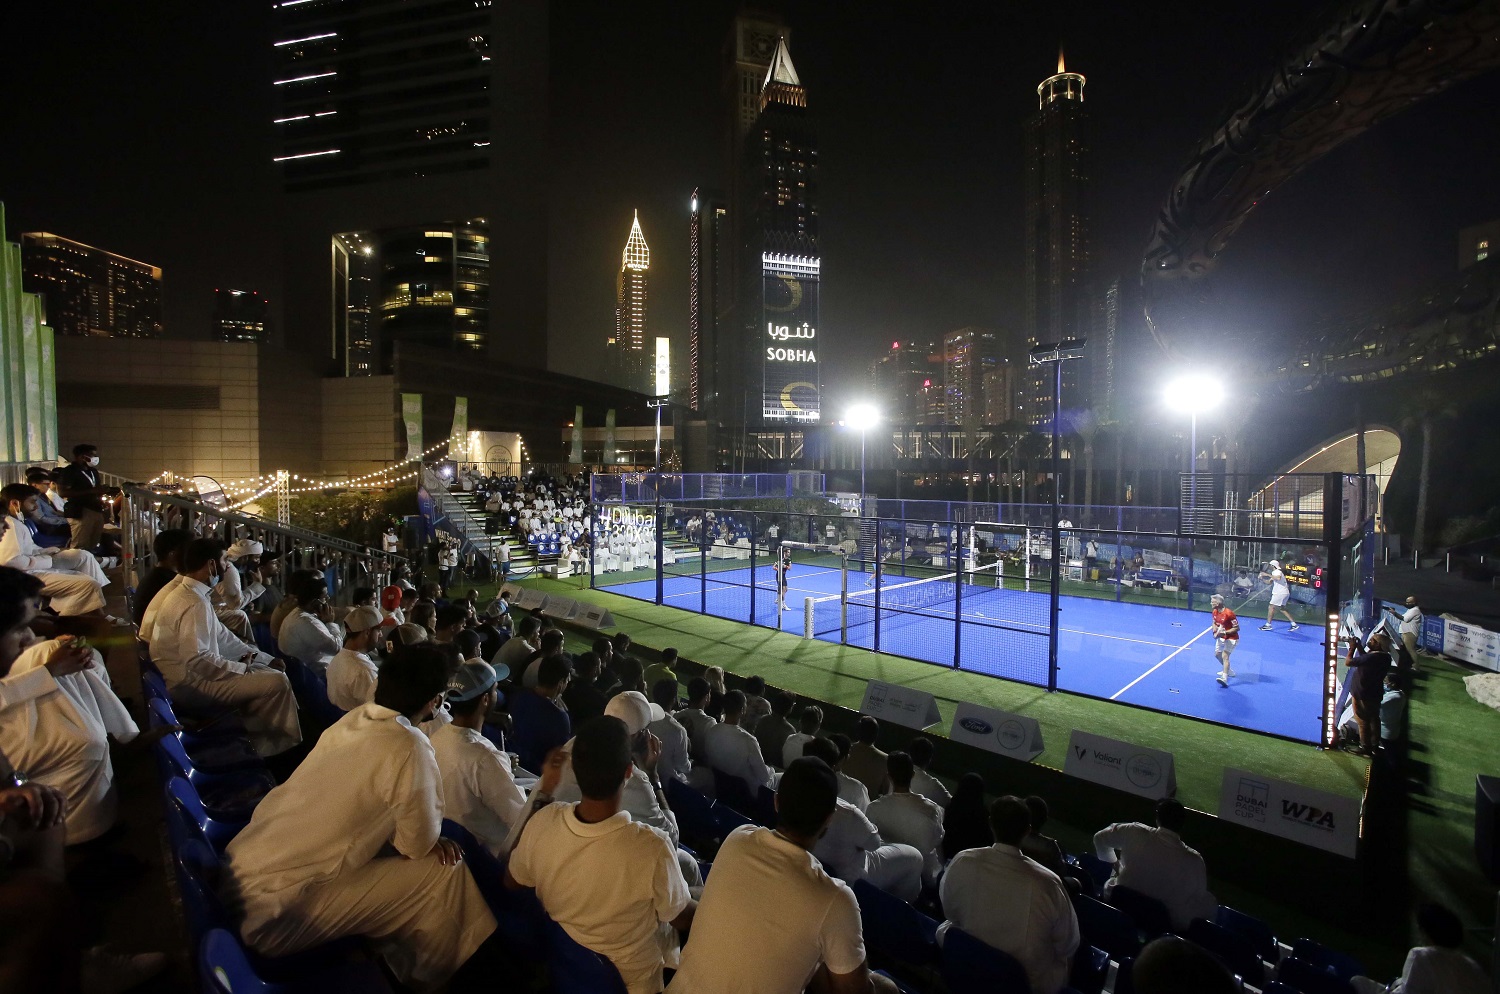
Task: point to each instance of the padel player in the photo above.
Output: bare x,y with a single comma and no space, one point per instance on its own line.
1280,593
1226,637
783,567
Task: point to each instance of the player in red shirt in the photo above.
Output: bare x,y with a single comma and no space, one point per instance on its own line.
1226,637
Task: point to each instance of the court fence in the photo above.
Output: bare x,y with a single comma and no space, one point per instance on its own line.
982,595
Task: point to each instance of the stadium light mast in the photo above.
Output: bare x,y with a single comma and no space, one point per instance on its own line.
1055,354
863,417
1193,393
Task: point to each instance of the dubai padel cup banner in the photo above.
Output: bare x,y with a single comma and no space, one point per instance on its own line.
575,453
461,427
411,415
789,345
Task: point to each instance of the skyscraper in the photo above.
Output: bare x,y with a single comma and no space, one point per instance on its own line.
1103,351
968,355
1056,235
901,384
356,276
778,377
90,292
239,316
709,266
388,117
434,286
631,349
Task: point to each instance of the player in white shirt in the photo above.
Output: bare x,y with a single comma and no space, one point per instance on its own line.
1156,862
1280,594
479,786
1011,902
772,920
908,818
312,865
731,750
613,885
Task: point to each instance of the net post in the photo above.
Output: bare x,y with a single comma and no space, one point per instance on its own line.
844,601
659,519
754,523
809,626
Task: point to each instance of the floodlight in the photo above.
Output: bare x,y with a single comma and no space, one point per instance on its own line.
1194,393
862,417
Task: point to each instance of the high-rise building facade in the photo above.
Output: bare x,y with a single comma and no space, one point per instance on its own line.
1000,393
356,280
631,349
779,379
240,316
90,292
434,285
710,262
1478,243
1103,349
387,116
901,383
1056,234
968,355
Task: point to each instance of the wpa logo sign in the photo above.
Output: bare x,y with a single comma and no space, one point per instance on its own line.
976,725
1307,814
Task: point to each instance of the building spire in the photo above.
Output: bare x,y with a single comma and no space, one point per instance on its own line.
637,255
1061,66
781,69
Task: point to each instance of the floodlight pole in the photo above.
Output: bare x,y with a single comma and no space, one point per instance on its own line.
1055,354
658,403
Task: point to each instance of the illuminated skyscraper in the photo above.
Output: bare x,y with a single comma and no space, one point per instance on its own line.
631,349
968,355
777,376
239,316
90,292
709,266
1056,235
902,384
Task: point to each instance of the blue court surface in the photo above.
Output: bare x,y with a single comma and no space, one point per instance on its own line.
1154,656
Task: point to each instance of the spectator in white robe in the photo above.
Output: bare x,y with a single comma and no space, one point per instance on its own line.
909,818
479,786
352,672
733,751
922,782
205,667
315,862
676,758
237,591
309,633
72,579
853,850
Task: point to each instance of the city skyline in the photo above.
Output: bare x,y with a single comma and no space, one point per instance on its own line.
941,208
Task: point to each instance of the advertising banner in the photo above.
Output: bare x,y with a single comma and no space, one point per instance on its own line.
789,347
1122,765
575,454
1471,643
1432,633
663,370
610,455
49,393
993,730
411,415
460,434
913,708
1289,810
31,376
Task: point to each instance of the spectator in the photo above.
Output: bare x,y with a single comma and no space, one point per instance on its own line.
1410,631
491,635
583,699
622,643
922,782
695,717
550,646
309,632
631,675
467,642
1368,666
450,620
715,677
309,868
866,763
808,724
1157,863
1012,903
733,751
966,823
424,613
608,682
352,672
1044,849
205,666
72,579
756,705
166,549
613,885
53,527
663,669
233,594
1173,965
908,818
853,850
78,482
479,786
676,753
770,899
1437,968
518,647
850,789
540,716
773,729
288,603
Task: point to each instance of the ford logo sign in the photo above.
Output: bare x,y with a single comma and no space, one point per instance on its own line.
976,725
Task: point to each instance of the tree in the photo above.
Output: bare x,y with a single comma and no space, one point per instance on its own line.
1086,426
1424,407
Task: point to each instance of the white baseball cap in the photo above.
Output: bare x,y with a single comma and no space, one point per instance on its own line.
363,618
634,710
1275,564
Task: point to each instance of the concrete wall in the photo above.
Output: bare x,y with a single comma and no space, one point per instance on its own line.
361,426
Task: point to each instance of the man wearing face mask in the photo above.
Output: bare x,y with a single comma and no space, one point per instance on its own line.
315,862
78,482
206,668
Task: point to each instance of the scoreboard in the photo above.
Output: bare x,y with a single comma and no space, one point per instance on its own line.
1298,575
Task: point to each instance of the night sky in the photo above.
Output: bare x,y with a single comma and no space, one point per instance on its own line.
149,136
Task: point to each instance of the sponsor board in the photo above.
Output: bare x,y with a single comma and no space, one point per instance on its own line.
902,705
1122,765
531,599
1471,643
594,616
993,730
1291,811
1432,634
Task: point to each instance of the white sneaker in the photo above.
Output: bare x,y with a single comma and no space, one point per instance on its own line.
105,971
1229,673
1221,680
1266,627
1294,627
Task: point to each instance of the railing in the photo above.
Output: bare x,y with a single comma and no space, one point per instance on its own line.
471,527
346,564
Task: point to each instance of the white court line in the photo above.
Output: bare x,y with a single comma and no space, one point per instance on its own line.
1159,665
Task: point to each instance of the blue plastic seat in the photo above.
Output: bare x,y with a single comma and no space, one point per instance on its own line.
894,928
1107,928
1305,978
225,967
575,969
1098,870
225,796
187,819
1341,965
198,726
728,819
1150,915
733,791
764,810
695,813
1234,950
1090,969
209,753
968,964
1260,934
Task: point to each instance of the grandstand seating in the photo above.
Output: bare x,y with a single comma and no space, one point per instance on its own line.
968,964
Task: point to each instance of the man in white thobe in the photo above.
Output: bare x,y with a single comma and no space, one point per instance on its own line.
909,818
205,666
309,868
232,596
309,632
731,750
352,673
72,579
1156,862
